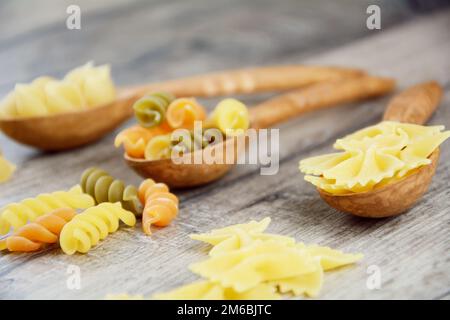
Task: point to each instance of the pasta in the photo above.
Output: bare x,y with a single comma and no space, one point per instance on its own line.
44,230
6,169
182,113
104,188
373,156
94,224
230,116
246,263
160,206
136,138
84,87
15,215
207,290
151,109
159,147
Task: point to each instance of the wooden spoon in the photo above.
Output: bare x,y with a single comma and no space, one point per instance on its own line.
73,129
276,110
414,105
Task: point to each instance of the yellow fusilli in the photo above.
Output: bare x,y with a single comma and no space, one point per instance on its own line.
94,224
16,215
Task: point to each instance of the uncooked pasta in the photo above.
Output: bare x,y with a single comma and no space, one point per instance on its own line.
44,230
86,229
104,188
15,215
150,110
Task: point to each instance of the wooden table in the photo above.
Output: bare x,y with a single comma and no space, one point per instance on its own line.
147,41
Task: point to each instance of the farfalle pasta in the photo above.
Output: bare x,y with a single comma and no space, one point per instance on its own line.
160,205
247,263
16,215
104,188
44,230
86,229
207,290
82,88
6,169
373,156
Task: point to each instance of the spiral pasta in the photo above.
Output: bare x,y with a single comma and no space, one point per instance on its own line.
94,224
15,215
136,138
104,188
44,230
84,87
151,109
6,169
182,113
230,116
160,206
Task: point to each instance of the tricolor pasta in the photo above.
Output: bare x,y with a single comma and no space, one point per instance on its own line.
83,87
44,230
94,224
230,116
373,156
15,215
150,110
160,206
104,188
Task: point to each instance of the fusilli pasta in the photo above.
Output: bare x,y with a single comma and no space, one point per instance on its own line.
15,215
104,188
94,224
6,169
84,87
182,113
151,109
44,230
136,138
160,206
230,116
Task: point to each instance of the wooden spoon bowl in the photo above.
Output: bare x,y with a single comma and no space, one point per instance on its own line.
287,106
70,129
414,105
389,200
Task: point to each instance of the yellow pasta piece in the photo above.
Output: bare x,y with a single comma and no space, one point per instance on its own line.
15,215
84,87
6,169
238,236
207,290
95,83
251,264
373,156
261,261
159,147
93,225
230,116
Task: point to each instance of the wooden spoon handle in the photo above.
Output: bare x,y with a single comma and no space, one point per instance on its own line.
317,96
416,104
272,78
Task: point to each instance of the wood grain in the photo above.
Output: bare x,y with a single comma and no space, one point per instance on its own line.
411,250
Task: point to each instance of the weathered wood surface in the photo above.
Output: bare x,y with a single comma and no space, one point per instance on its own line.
159,40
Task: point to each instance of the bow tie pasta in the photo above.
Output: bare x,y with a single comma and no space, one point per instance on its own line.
83,87
247,263
373,156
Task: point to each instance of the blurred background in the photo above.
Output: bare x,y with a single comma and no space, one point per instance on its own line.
149,40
